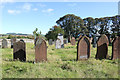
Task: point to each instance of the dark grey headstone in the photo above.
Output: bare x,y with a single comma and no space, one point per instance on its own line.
19,51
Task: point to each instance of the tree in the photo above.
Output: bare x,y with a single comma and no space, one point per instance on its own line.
53,32
89,22
115,27
72,25
36,33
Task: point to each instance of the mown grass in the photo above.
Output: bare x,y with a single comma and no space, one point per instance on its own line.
61,64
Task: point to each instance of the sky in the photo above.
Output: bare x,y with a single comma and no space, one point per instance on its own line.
24,17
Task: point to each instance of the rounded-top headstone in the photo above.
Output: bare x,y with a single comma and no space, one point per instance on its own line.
4,43
102,47
19,51
40,50
73,41
116,48
13,40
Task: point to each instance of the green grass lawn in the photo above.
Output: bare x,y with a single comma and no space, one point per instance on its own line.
61,64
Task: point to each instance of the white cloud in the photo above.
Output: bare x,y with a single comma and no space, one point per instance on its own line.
27,6
14,11
48,10
35,9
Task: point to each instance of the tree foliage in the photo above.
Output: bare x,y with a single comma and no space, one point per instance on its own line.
53,32
72,25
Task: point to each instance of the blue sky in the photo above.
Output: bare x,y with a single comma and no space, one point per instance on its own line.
24,17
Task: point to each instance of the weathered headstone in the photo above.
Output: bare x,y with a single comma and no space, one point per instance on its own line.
60,36
73,41
22,40
58,43
83,48
40,50
13,40
94,42
35,40
19,51
102,47
50,42
116,48
65,41
4,43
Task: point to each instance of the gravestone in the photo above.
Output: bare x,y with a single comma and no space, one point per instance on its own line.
19,51
50,42
40,50
73,41
35,40
102,47
116,48
65,41
83,48
4,43
13,40
60,36
22,40
58,43
94,42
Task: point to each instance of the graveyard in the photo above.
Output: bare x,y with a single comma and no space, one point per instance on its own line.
59,40
61,63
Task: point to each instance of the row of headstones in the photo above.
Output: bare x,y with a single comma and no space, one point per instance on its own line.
5,43
83,49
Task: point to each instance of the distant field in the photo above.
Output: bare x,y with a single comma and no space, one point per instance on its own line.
61,64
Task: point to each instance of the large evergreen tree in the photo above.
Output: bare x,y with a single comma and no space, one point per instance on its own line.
72,25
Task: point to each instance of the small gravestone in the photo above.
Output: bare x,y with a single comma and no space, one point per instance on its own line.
60,36
58,43
35,40
102,47
19,51
116,48
13,40
40,50
65,41
4,43
22,40
83,48
94,42
50,42
73,41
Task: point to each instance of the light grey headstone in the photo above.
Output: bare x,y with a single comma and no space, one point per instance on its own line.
50,42
58,44
60,36
4,43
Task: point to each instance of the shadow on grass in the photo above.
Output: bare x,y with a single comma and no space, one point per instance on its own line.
69,60
11,60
